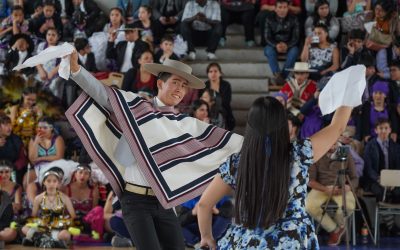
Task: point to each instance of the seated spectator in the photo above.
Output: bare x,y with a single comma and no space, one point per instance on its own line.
168,13
21,48
114,222
138,79
201,23
310,6
281,97
166,50
323,176
48,19
323,15
282,31
7,234
221,218
86,57
11,147
386,25
25,114
320,53
268,8
299,89
116,22
355,50
223,88
92,14
45,146
14,24
49,212
378,108
240,11
381,153
13,189
294,126
126,53
76,27
131,8
200,110
385,57
216,112
37,10
151,30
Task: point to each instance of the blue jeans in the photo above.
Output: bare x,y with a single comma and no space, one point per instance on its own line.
272,56
192,234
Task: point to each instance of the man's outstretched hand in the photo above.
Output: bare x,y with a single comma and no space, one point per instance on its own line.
74,62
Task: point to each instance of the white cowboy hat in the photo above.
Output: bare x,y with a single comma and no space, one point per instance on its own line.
302,67
177,68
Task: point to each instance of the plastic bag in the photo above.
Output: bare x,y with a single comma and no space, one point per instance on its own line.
98,41
180,46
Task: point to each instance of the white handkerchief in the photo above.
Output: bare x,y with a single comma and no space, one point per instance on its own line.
345,88
368,26
48,54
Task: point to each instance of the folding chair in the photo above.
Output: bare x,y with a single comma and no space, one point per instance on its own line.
389,178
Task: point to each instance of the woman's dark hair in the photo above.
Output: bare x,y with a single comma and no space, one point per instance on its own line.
4,119
263,176
196,105
316,17
325,28
388,7
117,9
27,91
147,8
214,64
48,120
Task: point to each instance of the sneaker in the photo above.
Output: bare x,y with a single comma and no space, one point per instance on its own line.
192,56
336,238
278,79
118,241
222,42
250,43
211,56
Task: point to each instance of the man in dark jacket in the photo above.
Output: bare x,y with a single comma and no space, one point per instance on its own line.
282,33
168,12
125,60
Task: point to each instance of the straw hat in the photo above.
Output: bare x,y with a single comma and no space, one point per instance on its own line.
177,68
302,67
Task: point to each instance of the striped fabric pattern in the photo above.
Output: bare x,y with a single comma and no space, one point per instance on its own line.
177,154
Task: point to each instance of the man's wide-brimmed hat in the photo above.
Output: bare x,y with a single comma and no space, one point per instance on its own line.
177,68
302,67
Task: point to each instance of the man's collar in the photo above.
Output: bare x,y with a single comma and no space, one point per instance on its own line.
158,102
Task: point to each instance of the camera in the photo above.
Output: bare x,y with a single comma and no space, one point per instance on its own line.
314,41
342,152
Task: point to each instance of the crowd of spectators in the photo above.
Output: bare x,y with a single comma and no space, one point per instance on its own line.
313,38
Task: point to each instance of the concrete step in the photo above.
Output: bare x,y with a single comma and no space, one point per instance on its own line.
255,54
243,101
236,40
234,69
248,85
238,29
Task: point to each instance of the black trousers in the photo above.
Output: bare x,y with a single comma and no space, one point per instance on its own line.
150,225
210,38
246,18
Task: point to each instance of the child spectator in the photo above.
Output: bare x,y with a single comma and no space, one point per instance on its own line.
12,188
322,14
136,80
21,49
115,23
14,24
86,57
378,108
321,54
299,89
354,51
166,50
282,32
11,147
45,146
48,19
151,30
126,53
200,110
53,220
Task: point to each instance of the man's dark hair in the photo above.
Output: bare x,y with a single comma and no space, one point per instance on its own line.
381,121
282,1
49,3
17,7
81,43
168,38
395,63
164,76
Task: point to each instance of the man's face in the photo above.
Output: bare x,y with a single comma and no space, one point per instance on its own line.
167,46
282,9
383,131
395,73
131,35
5,129
378,97
172,91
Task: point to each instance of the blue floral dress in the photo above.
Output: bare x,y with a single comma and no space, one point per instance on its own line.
295,229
